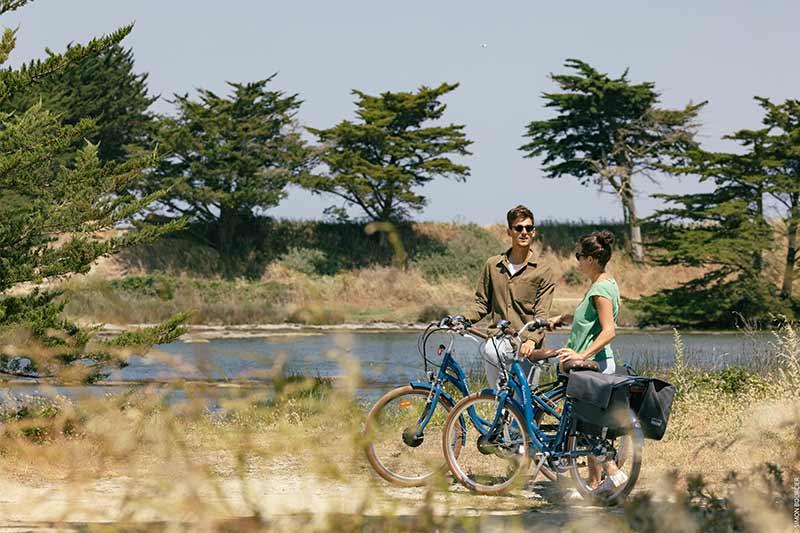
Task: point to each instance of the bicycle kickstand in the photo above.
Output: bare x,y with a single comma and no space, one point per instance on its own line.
539,465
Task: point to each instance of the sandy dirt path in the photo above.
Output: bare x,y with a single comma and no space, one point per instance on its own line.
285,500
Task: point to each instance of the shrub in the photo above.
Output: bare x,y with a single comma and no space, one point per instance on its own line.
463,256
561,237
432,312
161,287
309,261
572,276
317,316
732,380
38,418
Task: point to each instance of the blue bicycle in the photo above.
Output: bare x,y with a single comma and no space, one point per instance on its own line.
523,424
403,430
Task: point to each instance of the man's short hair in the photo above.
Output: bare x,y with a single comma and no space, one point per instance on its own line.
519,212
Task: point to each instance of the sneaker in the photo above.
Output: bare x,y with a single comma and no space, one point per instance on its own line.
611,483
571,494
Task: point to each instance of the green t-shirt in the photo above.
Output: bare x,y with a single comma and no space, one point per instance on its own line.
586,324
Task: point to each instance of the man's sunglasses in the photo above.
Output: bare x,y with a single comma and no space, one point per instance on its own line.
519,227
578,255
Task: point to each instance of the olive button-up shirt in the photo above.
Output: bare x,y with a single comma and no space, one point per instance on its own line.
520,298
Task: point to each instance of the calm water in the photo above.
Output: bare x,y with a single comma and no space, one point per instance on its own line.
388,359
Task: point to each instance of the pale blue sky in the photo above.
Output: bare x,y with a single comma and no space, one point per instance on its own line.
722,51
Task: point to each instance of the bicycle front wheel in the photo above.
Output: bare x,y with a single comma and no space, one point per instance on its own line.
399,447
494,452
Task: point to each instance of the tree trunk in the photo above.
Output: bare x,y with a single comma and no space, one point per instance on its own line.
226,231
758,256
629,208
791,248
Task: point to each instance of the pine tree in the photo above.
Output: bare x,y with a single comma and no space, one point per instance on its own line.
606,132
379,162
63,205
728,229
230,158
778,144
101,87
725,230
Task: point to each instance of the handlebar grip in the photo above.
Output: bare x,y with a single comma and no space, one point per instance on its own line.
540,323
508,330
478,333
462,320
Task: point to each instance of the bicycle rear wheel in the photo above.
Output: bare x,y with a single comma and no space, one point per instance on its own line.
492,460
629,450
399,450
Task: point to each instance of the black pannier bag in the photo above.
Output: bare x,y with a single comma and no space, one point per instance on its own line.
601,403
652,401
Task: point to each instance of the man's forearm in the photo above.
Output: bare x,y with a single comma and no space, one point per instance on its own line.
536,336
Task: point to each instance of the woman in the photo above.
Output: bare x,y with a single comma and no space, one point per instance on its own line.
593,329
594,320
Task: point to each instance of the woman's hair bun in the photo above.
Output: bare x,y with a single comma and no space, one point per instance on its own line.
605,238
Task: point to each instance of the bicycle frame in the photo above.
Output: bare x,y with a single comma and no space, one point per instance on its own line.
458,378
518,393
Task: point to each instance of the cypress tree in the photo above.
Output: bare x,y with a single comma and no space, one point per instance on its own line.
63,209
379,162
725,230
229,158
102,87
606,132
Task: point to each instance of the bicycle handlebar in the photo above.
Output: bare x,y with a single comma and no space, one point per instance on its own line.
461,324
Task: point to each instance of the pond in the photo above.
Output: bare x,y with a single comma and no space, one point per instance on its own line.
387,359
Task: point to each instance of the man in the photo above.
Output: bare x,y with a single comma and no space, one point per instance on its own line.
513,287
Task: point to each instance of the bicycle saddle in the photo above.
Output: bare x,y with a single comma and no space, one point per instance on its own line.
575,366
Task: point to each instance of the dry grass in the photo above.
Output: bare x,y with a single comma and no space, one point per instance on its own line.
376,293
290,457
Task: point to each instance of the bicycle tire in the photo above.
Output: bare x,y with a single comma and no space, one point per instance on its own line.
516,455
636,445
382,465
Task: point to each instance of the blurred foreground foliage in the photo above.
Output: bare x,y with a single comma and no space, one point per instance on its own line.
211,457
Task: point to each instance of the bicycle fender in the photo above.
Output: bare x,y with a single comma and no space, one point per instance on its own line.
512,401
424,385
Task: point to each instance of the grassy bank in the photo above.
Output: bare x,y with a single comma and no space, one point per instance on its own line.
317,273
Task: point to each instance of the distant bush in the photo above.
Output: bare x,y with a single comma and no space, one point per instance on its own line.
161,287
337,246
149,299
429,313
345,245
572,277
561,237
464,255
309,261
316,316
731,380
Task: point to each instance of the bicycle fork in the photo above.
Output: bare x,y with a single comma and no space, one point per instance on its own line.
414,436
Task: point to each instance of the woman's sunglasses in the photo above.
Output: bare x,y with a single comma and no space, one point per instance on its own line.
519,227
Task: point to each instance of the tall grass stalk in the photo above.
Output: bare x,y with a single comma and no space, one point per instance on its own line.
787,350
680,371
